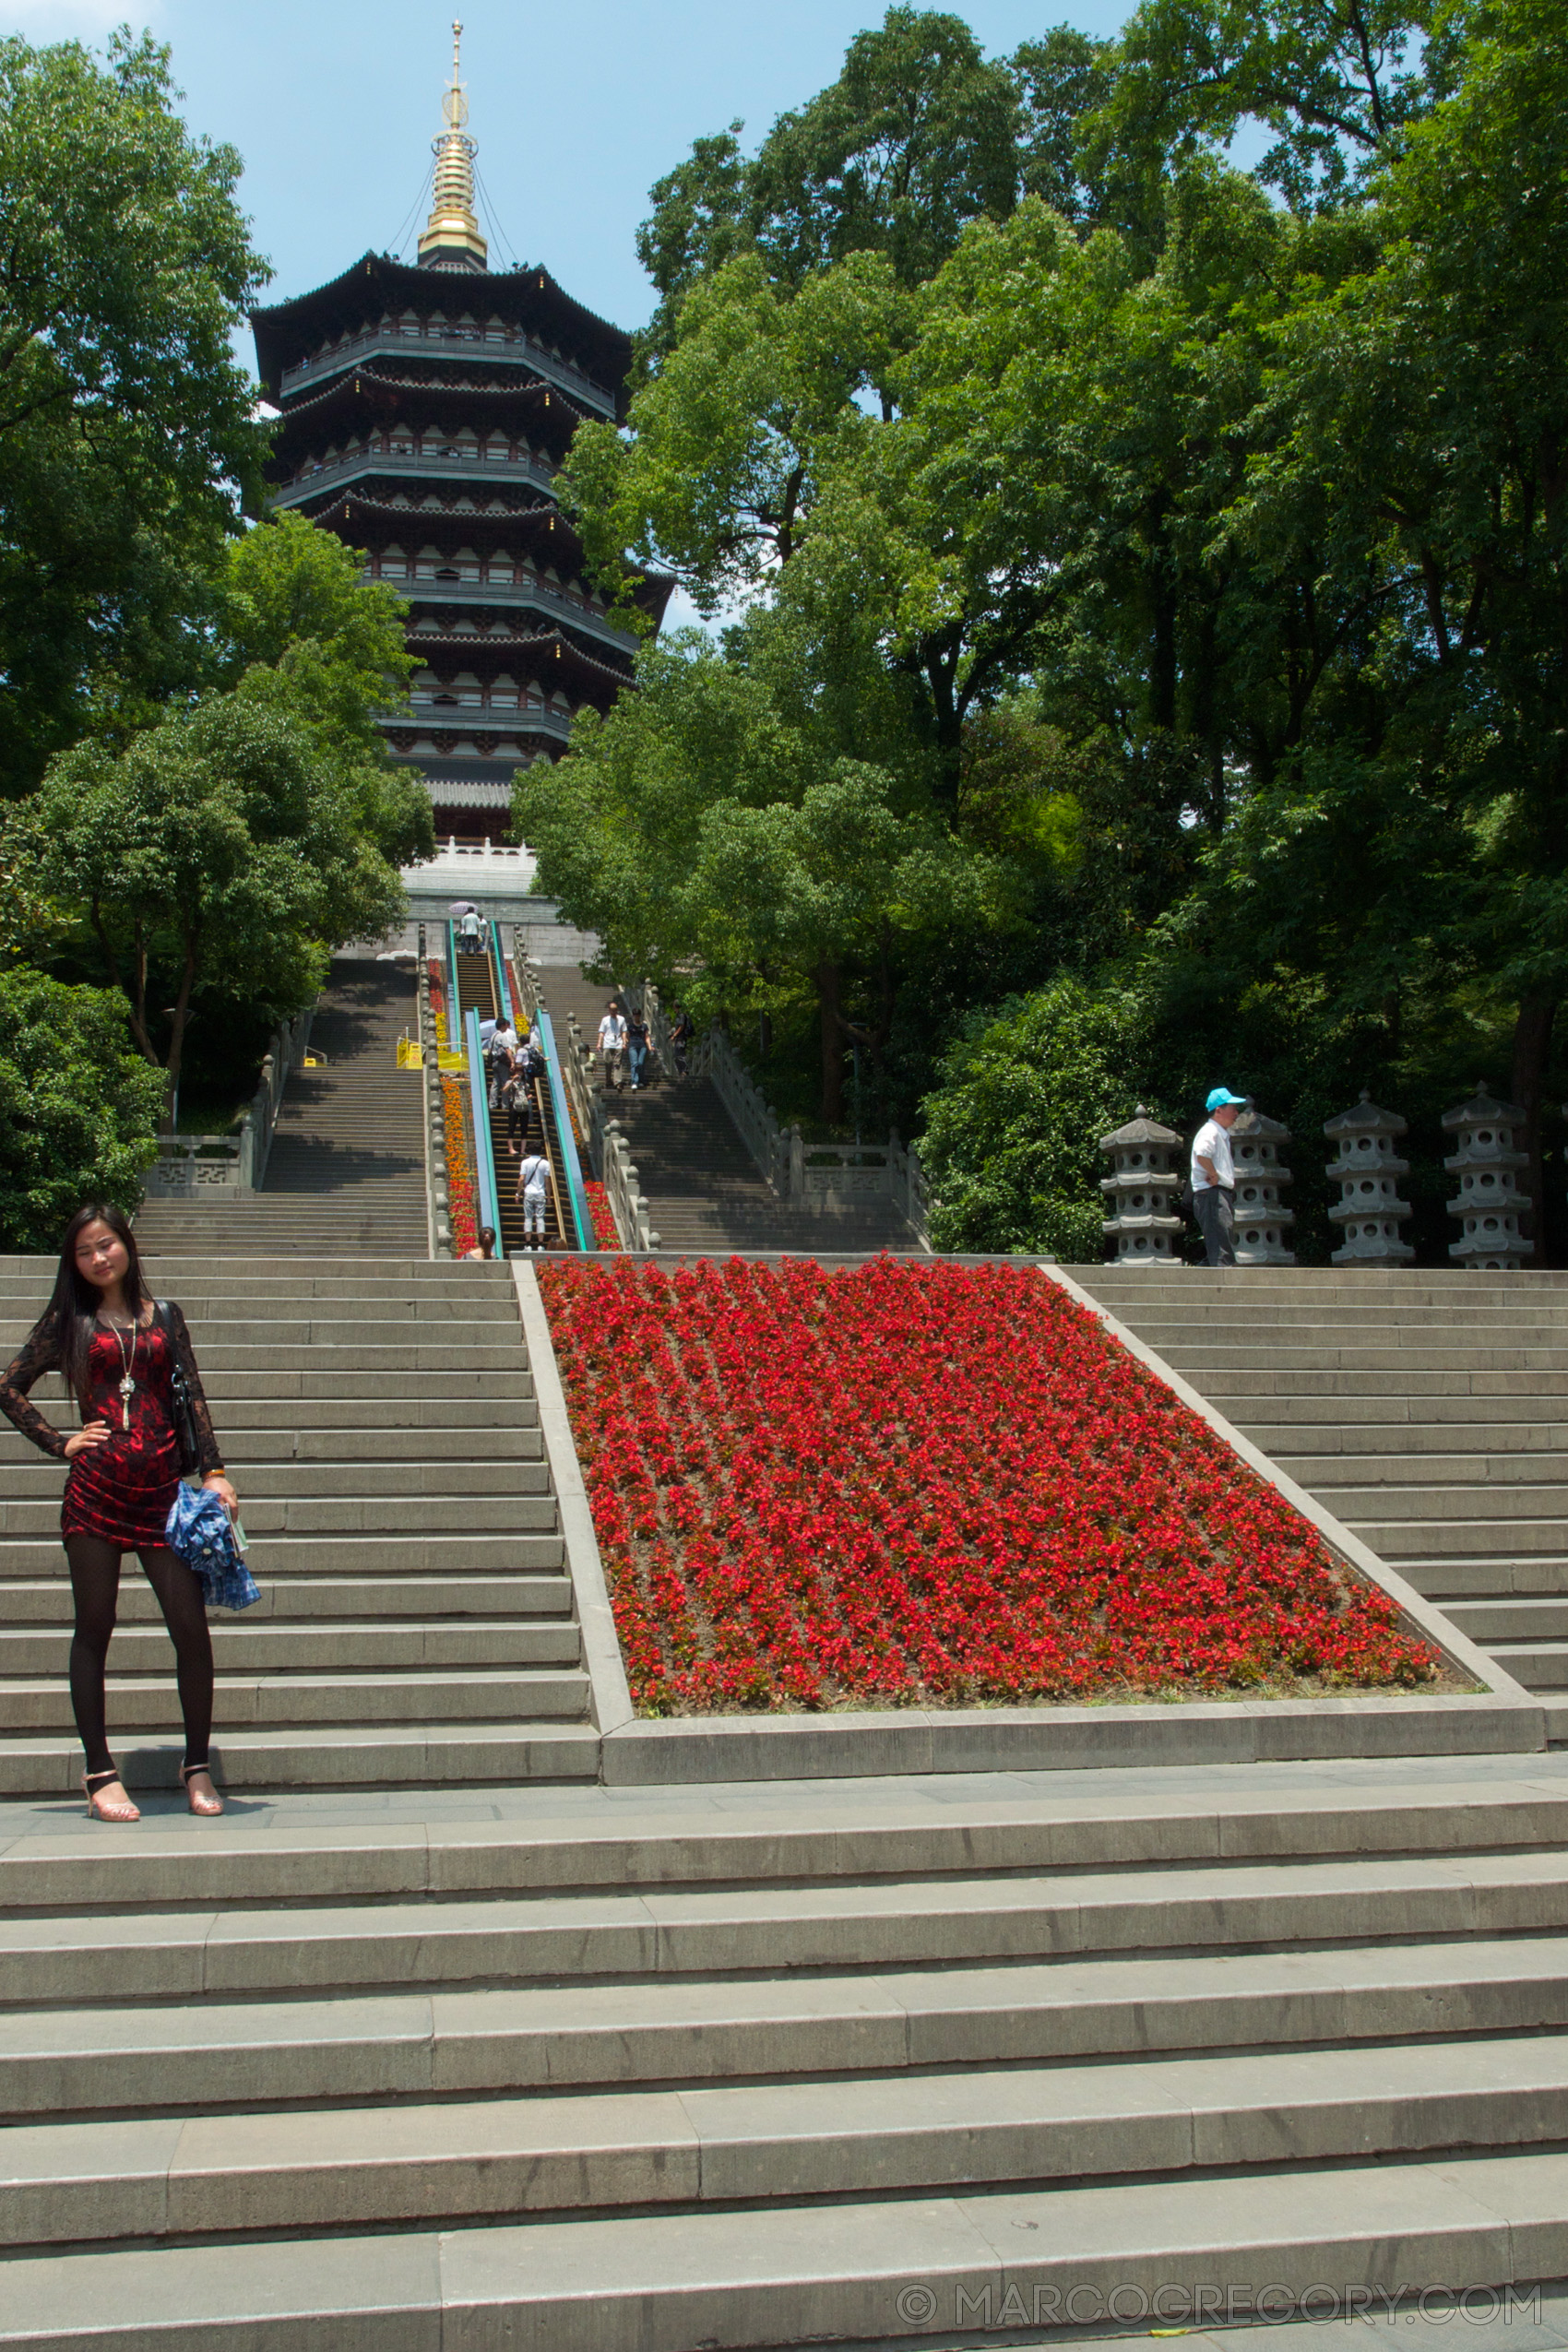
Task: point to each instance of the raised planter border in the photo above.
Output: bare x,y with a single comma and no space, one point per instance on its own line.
1499,1718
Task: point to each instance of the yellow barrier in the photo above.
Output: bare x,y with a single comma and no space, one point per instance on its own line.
411,1056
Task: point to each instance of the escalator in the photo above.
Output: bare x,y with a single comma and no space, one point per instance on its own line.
482,986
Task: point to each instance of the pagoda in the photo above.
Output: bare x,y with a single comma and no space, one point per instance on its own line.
425,411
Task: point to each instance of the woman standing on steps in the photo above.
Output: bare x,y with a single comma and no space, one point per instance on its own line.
118,1355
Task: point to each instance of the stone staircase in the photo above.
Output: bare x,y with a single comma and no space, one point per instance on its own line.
707,1196
852,2064
416,1623
1429,1411
345,1170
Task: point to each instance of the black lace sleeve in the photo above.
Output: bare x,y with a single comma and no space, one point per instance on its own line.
40,1354
208,1455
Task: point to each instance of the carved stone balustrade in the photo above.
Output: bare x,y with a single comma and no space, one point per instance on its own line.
1140,1192
1367,1170
1490,1203
1262,1219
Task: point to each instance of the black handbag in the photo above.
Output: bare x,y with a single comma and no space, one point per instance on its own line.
183,1411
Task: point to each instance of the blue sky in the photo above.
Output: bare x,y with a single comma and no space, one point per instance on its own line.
577,110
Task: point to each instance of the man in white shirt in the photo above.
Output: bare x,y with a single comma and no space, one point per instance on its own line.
1214,1175
612,1044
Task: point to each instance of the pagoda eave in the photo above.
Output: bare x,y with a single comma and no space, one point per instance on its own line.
287,333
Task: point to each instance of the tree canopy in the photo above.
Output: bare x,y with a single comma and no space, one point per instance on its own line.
127,439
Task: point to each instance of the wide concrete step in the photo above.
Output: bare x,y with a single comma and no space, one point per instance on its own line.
1506,1447
1540,1665
416,2045
1538,1618
309,1599
319,1645
1508,1419
1500,1504
722,2143
448,1514
353,1555
1540,1577
374,1337
253,1693
793,2273
1383,1353
1419,1468
319,1756
334,1474
684,1931
1469,1538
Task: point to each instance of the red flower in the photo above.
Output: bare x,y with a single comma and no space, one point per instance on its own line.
460,1175
918,1483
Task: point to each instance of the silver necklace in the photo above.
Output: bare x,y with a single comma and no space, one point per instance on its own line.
127,1368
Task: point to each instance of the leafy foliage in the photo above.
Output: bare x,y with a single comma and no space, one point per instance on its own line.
78,1107
1011,1138
125,425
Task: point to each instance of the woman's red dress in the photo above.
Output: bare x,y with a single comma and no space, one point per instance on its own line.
123,1489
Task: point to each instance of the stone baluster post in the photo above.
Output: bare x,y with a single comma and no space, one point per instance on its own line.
1262,1219
1367,1170
1490,1203
1141,1191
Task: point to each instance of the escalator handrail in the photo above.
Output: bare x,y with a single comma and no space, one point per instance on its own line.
582,1218
454,994
506,1006
484,1142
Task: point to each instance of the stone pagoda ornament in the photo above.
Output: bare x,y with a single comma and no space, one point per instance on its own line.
1141,1191
1367,1170
1490,1203
1261,1220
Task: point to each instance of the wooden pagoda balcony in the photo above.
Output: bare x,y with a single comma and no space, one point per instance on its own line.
334,470
511,596
481,343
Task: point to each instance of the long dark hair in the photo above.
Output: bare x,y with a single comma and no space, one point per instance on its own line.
75,1302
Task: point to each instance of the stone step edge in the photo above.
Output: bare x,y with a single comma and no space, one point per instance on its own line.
647,2032
235,1864
879,2269
307,1756
402,2161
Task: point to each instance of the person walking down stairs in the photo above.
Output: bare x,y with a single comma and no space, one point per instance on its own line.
119,1354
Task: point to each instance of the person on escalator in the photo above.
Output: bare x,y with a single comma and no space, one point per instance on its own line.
533,1191
498,1059
470,933
516,1100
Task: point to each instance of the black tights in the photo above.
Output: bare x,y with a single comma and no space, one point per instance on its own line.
95,1587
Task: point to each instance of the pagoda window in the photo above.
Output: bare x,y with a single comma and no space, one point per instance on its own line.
497,449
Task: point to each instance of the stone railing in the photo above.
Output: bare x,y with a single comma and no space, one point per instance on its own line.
187,1165
824,1177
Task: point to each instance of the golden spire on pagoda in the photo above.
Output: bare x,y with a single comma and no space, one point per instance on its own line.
451,237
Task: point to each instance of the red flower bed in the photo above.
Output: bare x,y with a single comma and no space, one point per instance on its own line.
459,1174
605,1230
918,1483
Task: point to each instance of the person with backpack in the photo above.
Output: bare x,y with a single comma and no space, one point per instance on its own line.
516,1100
498,1059
533,1191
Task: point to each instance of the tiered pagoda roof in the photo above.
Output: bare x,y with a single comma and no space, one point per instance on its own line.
425,410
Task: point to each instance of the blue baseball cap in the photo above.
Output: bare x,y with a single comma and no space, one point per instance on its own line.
1220,1096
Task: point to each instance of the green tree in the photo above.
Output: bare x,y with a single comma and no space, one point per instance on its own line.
711,817
79,1107
218,854
126,431
1010,1144
299,629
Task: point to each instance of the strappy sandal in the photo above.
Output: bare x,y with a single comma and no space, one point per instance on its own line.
93,1785
198,1800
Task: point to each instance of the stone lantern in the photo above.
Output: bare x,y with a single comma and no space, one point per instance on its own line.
1487,1163
1367,1169
1262,1222
1141,1191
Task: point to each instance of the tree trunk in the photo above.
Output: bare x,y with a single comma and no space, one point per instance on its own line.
828,979
177,1034
1532,1046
